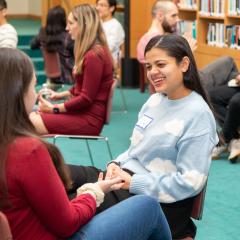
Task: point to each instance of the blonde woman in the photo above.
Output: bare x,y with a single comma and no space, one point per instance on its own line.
85,108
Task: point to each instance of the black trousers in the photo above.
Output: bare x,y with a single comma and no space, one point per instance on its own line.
177,214
225,100
226,103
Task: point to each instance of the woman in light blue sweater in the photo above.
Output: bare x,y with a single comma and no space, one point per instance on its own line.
170,152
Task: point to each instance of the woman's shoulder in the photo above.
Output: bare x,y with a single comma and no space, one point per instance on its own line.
96,52
154,100
26,144
198,104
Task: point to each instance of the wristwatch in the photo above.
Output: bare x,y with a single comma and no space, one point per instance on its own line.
56,109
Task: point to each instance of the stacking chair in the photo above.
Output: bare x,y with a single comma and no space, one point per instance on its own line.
52,68
118,78
198,205
5,232
52,65
143,77
88,138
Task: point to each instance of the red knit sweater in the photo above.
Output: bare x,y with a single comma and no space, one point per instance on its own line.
40,206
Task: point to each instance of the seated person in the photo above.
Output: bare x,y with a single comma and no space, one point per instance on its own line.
85,109
112,27
55,38
173,124
226,102
34,178
165,17
8,34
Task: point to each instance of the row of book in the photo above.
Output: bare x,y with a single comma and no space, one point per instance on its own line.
212,8
234,7
187,26
191,4
223,36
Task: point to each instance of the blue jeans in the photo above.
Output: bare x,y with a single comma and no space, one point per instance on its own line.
137,218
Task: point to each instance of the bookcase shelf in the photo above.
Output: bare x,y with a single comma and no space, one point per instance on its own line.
186,9
233,16
205,53
211,17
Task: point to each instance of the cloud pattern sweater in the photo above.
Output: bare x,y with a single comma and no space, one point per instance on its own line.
171,145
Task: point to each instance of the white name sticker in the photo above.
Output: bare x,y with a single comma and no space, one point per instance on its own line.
144,121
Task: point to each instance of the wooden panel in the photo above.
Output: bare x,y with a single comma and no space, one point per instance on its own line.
77,2
206,54
140,21
45,7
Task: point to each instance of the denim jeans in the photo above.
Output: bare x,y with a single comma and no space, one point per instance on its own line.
137,218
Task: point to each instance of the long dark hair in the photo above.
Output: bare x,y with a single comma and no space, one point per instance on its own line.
55,26
16,75
177,47
3,4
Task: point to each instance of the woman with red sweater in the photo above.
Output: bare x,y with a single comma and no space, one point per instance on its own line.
84,108
34,179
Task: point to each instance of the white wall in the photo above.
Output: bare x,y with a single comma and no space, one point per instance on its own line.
32,7
35,7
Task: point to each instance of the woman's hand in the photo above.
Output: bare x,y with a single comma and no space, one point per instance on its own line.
238,80
44,105
111,168
108,185
126,177
56,96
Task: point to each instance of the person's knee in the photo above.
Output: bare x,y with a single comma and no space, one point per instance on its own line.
148,203
226,60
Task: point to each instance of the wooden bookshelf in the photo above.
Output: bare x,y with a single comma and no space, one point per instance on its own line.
205,53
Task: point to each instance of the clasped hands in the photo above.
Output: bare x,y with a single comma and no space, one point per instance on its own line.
115,179
114,171
45,105
238,79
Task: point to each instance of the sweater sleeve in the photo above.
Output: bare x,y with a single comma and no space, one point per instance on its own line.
48,199
92,76
185,179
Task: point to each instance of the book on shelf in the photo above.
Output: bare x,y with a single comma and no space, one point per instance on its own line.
215,35
187,26
213,8
234,7
189,4
232,36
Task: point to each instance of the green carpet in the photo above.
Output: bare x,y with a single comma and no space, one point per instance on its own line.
221,214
